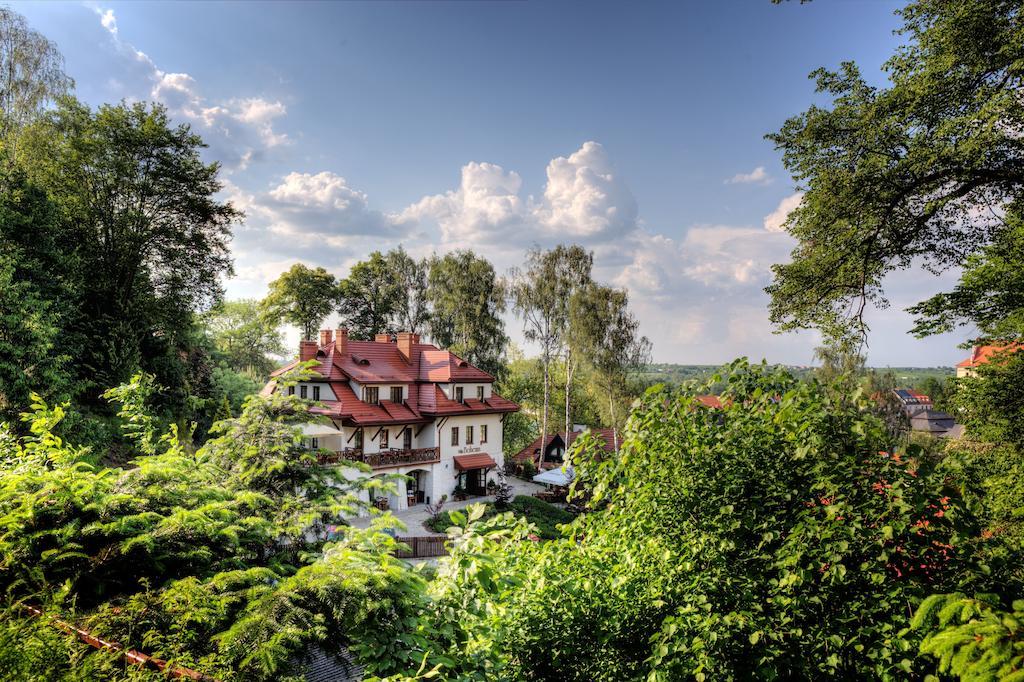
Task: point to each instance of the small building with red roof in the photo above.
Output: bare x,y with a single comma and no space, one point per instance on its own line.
402,406
981,355
555,445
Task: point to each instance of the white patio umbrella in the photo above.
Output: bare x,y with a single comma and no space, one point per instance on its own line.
561,477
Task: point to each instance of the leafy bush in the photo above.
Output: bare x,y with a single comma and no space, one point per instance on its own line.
216,559
770,539
545,517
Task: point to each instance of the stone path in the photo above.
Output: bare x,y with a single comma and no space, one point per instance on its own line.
413,518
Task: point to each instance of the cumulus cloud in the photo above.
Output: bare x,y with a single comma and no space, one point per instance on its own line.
237,130
584,200
324,205
776,220
758,176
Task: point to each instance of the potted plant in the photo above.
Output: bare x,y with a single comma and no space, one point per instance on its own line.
459,493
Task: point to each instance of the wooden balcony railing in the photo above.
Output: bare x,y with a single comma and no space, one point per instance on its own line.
384,458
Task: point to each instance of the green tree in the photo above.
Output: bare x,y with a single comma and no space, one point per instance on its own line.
149,235
31,75
541,295
38,289
766,540
990,293
608,337
467,300
412,311
369,298
303,297
918,171
223,559
245,334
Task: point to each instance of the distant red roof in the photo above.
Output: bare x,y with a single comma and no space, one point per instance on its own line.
982,354
381,362
476,461
532,451
712,401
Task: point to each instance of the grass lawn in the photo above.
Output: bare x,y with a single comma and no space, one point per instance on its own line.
541,514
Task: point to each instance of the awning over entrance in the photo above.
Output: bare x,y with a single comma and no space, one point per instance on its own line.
478,461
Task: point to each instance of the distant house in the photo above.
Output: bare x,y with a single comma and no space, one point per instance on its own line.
555,446
982,355
404,407
923,417
936,423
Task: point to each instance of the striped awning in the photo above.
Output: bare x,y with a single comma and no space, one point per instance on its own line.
478,461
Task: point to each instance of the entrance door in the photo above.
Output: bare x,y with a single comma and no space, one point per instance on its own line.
476,481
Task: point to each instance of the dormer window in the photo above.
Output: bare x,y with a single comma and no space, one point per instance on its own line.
458,394
396,394
316,393
302,391
480,393
371,395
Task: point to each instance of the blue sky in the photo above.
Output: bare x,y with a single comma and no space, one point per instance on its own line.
635,129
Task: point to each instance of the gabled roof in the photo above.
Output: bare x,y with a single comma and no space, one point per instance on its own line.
381,362
532,451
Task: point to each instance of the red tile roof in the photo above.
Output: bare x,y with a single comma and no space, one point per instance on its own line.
532,451
982,354
381,362
480,459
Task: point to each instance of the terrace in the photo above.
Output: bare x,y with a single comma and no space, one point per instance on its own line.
385,458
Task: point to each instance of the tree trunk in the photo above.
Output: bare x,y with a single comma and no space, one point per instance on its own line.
544,417
615,430
568,388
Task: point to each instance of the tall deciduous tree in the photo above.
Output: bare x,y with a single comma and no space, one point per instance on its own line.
369,298
541,295
303,297
609,338
412,310
467,300
918,171
31,74
245,334
146,227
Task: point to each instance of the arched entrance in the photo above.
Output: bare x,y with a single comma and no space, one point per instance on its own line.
386,499
418,487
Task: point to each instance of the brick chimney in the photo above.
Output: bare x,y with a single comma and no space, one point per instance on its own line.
340,341
382,338
406,341
307,350
325,337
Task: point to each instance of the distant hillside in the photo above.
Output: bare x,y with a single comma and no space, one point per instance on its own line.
671,373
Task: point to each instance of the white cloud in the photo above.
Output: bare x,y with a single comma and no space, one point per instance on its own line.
776,220
758,176
237,130
484,206
584,200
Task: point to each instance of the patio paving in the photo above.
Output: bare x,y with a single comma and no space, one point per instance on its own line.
413,518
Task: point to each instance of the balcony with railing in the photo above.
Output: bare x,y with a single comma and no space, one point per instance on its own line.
385,458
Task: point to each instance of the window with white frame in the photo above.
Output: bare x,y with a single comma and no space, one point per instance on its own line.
371,395
469,435
396,394
384,438
458,394
483,433
302,391
480,393
455,435
316,393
